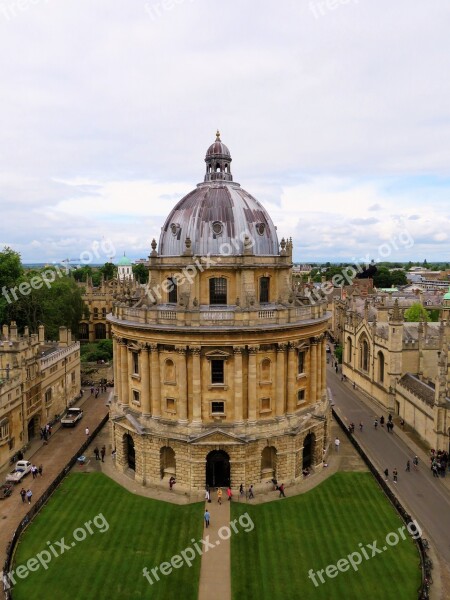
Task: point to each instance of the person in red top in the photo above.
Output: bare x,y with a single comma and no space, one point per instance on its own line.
229,493
281,488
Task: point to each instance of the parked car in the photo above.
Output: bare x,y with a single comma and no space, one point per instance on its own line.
72,416
23,467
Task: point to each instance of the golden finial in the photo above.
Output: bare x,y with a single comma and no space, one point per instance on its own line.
217,136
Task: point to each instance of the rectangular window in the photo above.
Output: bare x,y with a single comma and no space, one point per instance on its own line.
136,397
73,377
172,288
218,290
4,429
170,405
135,363
300,396
265,405
301,363
48,396
218,408
264,289
217,371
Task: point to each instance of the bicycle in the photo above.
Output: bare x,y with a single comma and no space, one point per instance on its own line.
425,543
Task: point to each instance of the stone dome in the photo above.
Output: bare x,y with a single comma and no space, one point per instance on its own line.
216,216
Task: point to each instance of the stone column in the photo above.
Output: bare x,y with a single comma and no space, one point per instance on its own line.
124,375
292,377
196,387
252,400
155,382
145,382
182,403
238,381
319,369
324,369
280,381
117,369
313,374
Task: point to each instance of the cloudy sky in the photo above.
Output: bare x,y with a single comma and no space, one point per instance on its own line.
336,112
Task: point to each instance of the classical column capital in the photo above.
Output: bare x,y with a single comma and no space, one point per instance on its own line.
195,351
282,347
153,347
253,349
238,349
181,349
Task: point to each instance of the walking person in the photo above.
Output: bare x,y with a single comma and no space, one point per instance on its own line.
394,475
375,423
250,492
416,463
207,495
337,443
103,452
97,453
207,517
382,421
386,474
408,466
229,493
29,496
241,490
361,426
219,495
86,431
281,490
41,470
23,494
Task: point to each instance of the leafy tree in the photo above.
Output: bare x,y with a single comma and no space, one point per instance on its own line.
416,313
101,350
82,273
10,271
398,278
338,353
108,270
140,272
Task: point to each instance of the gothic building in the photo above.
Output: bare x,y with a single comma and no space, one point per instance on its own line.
219,366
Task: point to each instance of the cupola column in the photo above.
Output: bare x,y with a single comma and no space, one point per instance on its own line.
292,400
313,372
252,353
182,378
155,382
196,386
238,381
124,374
145,382
324,369
280,381
117,367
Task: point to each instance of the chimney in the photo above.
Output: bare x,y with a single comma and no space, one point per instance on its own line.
63,336
26,331
5,331
13,331
41,334
69,337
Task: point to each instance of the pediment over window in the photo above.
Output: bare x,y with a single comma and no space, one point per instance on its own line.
217,436
217,354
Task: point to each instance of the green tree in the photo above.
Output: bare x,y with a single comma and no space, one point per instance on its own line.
140,272
338,353
11,270
108,270
416,313
398,278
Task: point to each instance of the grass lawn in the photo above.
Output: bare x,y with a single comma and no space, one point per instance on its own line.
314,530
142,533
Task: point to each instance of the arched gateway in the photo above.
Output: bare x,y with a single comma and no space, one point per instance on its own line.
230,369
218,469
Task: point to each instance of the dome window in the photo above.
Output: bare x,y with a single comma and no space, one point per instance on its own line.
217,227
174,228
260,228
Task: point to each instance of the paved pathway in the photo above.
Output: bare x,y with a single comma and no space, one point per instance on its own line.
425,497
215,572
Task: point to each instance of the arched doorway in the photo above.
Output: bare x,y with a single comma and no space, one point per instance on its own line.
167,462
218,469
129,451
308,450
33,426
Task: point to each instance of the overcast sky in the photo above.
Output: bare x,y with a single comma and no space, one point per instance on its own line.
336,113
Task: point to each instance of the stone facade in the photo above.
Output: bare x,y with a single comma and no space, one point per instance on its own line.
219,367
38,380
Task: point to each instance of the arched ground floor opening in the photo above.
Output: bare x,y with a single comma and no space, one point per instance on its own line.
129,451
33,427
218,473
308,450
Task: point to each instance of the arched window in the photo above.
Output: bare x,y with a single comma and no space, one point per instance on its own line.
172,290
265,370
218,290
349,350
380,357
364,355
167,462
264,284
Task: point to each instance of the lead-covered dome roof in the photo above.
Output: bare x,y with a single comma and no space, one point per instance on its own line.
217,215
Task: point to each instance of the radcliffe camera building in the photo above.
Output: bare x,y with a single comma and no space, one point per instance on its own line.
219,364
